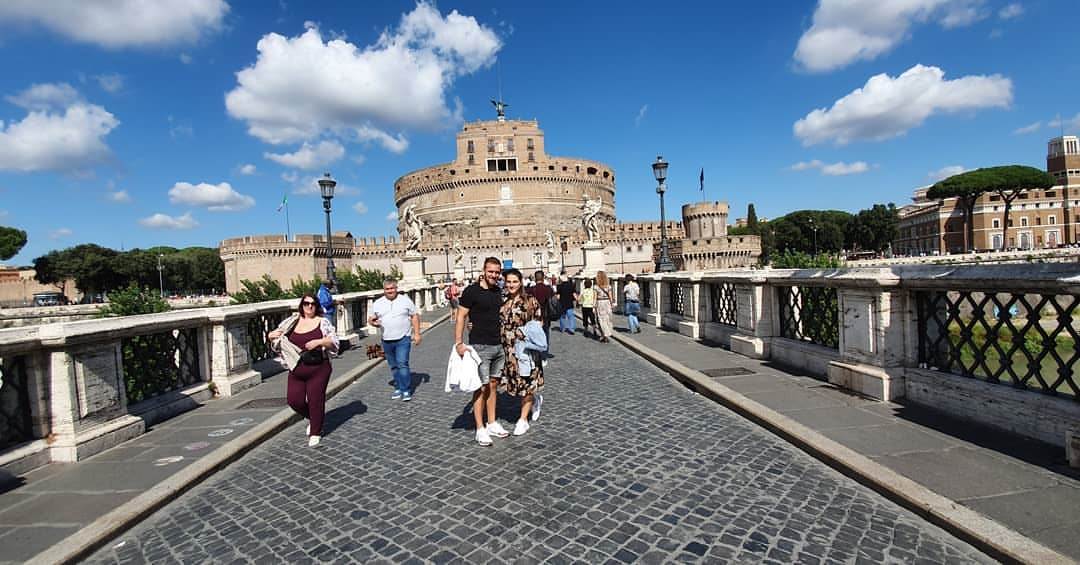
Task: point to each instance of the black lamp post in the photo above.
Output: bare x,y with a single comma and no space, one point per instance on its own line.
326,188
813,228
562,254
160,277
446,252
659,168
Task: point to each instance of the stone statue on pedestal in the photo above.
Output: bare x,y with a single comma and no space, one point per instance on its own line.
459,253
413,230
550,245
590,220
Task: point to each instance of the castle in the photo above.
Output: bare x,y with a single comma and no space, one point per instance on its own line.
503,195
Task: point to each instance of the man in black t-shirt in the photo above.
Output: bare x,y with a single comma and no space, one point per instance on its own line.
480,304
567,298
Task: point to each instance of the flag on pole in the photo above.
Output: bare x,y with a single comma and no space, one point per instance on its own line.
284,201
702,179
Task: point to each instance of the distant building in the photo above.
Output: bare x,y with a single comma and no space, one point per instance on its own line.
18,286
1038,219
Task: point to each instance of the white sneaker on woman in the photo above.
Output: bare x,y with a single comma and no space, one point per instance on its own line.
313,441
521,427
535,415
483,438
497,430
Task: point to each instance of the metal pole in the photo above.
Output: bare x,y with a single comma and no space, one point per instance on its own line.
664,265
160,278
329,246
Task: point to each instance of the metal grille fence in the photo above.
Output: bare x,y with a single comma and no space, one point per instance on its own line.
161,362
646,294
680,298
810,313
724,308
14,402
258,327
358,313
1026,340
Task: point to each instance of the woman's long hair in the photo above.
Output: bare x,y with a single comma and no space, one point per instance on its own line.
318,307
601,279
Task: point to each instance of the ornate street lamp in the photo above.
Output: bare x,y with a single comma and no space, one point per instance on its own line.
659,169
326,188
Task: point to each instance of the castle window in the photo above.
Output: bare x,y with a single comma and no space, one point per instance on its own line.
472,161
1050,194
1038,220
590,170
1051,220
510,144
564,168
506,232
997,223
513,164
535,168
1023,222
531,157
471,148
606,174
551,167
491,145
452,171
529,144
491,165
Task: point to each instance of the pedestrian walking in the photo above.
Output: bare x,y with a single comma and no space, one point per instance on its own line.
480,305
522,334
603,305
399,319
588,303
543,293
309,338
326,301
453,293
567,298
632,300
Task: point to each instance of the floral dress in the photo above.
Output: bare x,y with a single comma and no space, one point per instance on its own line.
513,315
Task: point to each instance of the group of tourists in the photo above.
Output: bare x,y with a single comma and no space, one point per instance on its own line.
507,319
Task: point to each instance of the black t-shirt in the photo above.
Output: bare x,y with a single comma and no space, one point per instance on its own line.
483,304
566,294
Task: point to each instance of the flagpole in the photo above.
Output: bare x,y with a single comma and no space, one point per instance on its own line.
287,230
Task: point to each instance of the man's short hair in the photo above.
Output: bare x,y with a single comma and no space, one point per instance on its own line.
492,261
389,282
538,275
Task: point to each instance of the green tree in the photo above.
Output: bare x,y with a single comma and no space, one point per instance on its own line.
873,229
1008,182
133,300
751,218
12,241
799,260
52,269
808,231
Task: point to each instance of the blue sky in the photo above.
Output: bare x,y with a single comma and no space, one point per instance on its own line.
133,124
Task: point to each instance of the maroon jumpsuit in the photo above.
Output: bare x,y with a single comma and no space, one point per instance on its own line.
306,392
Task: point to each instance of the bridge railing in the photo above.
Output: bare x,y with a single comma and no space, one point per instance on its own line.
993,343
69,390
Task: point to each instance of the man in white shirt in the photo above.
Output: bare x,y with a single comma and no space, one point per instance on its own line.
632,295
397,315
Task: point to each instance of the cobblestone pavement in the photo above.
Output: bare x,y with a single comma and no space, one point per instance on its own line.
624,465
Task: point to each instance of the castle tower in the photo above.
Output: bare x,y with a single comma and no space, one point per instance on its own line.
705,220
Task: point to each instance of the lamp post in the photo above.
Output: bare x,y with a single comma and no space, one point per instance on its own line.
446,252
622,261
326,188
813,228
160,277
659,168
562,253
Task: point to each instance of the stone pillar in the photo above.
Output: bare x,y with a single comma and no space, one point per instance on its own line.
656,312
593,253
62,408
370,329
690,325
412,269
754,305
871,342
230,366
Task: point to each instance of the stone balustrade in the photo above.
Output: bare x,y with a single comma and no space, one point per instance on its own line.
947,337
69,390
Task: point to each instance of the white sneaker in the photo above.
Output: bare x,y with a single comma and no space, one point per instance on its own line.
307,431
497,430
313,441
539,401
521,427
483,438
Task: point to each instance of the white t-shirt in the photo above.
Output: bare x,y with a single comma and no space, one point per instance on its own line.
632,291
395,316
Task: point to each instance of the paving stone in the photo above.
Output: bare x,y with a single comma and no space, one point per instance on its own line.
625,465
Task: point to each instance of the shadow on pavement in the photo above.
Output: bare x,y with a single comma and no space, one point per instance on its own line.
417,380
342,414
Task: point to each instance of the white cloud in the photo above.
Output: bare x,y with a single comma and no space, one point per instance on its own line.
832,169
359,159
214,197
180,129
945,172
360,208
47,96
641,115
309,156
1030,128
846,31
1011,11
1067,123
111,83
164,221
301,87
46,140
120,23
118,196
60,233
392,216
186,59
888,107
247,169
309,186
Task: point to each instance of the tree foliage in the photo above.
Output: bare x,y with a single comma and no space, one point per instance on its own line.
267,288
799,260
133,300
12,241
98,269
873,229
751,218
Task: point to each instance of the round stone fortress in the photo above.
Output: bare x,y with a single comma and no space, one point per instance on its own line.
503,182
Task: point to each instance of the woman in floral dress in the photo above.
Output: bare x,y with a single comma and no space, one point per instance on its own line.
517,310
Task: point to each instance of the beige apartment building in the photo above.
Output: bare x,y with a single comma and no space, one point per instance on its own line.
1038,219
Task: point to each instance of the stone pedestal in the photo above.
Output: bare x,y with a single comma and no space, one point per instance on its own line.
593,252
459,272
553,267
412,269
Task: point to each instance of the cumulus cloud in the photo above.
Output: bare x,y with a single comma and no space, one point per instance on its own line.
1030,128
52,138
214,197
49,96
166,222
832,169
309,156
60,233
360,208
945,172
111,83
247,169
120,196
887,107
120,23
304,86
844,31
641,115
1011,11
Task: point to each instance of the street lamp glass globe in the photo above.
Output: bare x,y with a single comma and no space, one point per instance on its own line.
326,186
659,168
